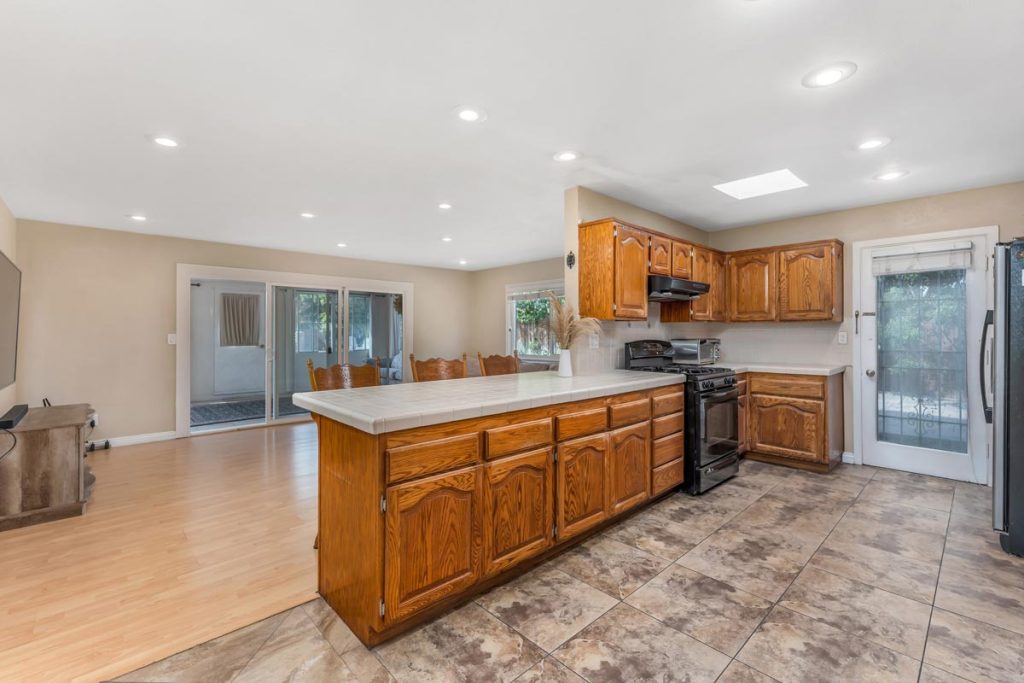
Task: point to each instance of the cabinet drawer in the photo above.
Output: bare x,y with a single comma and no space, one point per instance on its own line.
630,412
669,424
665,477
797,386
582,423
667,448
667,403
431,457
517,438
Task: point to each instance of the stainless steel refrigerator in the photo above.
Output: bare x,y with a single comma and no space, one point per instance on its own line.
1007,387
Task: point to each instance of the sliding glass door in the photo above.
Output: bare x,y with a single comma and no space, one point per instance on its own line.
305,330
374,332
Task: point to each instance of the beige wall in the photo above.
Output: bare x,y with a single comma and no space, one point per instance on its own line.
98,305
487,332
8,245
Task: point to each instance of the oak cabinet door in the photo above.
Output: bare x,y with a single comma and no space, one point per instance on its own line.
582,477
433,540
700,308
519,503
682,260
752,285
660,256
787,427
719,288
807,283
629,467
630,273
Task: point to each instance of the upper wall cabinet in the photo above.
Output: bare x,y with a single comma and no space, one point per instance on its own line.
752,284
703,265
682,260
613,271
659,255
811,281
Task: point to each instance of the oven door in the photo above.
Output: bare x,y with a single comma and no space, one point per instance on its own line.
719,424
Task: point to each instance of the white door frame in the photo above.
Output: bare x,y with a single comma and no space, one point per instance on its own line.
186,272
991,232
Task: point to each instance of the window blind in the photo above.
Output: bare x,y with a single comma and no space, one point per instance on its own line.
915,258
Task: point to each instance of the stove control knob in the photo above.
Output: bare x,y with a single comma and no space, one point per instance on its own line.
707,384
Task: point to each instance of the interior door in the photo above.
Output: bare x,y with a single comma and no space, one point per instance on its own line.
919,340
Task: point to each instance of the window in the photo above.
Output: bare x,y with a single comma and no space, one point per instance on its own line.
528,319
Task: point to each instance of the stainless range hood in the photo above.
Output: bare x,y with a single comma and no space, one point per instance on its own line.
661,288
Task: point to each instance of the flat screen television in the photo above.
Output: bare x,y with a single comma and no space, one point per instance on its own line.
10,304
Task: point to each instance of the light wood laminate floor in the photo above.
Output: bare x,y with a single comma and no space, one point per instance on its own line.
182,541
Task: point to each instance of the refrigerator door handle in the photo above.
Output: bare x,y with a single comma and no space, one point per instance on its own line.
981,367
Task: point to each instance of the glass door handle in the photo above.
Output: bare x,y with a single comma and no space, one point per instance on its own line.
869,373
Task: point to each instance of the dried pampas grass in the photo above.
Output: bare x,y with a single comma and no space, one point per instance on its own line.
567,327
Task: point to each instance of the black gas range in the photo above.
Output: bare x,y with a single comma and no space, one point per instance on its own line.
711,407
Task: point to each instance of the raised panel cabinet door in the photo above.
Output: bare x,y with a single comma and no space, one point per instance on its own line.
629,467
660,256
519,502
787,427
752,285
433,540
719,288
700,308
806,283
682,260
581,484
630,273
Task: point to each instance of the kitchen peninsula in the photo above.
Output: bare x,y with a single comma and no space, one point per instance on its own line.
432,492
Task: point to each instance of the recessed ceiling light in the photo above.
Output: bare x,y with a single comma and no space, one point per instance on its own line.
165,142
306,214
446,239
566,156
138,217
342,245
766,183
874,143
471,114
891,175
829,75
463,261
444,206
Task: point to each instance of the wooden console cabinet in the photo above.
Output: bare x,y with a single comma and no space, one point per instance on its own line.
412,522
45,477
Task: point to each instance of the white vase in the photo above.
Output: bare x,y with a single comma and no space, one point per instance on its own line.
564,363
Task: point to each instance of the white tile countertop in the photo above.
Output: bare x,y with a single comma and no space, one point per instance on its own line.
388,408
784,368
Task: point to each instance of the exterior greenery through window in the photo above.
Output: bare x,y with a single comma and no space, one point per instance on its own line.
529,319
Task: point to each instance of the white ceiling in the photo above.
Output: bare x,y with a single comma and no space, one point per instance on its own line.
344,109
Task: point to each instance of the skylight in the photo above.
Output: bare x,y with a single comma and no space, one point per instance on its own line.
758,185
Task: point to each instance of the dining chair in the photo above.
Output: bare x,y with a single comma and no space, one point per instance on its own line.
498,365
437,368
343,376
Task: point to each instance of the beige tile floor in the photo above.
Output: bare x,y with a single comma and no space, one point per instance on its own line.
778,575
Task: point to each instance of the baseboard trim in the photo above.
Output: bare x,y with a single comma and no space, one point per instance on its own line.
849,459
138,438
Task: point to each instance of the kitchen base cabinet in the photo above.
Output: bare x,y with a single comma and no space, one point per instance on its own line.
417,521
794,420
